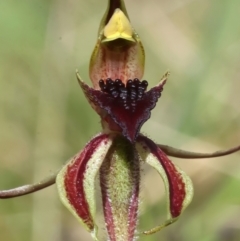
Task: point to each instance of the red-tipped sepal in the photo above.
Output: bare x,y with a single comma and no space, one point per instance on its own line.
178,185
119,180
76,181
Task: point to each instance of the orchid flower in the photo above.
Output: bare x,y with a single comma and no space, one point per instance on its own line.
121,99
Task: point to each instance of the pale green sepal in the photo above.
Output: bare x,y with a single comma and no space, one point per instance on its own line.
119,53
107,15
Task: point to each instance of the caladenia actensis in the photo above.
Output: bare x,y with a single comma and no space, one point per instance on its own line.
120,97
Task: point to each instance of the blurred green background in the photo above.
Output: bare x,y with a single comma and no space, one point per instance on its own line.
44,118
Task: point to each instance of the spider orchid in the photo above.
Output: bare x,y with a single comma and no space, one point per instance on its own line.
124,104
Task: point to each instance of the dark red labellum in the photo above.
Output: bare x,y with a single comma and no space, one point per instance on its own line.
128,106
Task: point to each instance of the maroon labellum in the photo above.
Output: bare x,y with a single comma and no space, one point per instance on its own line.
123,108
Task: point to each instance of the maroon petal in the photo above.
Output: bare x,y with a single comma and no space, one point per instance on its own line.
76,181
177,184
